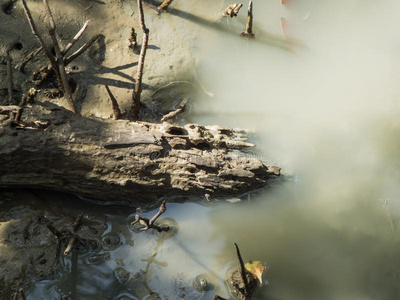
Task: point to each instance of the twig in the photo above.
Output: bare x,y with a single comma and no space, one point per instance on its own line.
114,103
29,57
21,291
9,78
135,108
232,10
176,112
75,39
60,61
73,238
150,223
132,39
162,210
70,245
249,26
11,108
164,5
242,268
41,41
82,49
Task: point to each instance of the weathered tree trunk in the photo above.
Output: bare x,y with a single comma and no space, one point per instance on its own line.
55,149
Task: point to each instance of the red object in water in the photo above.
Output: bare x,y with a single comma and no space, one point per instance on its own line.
283,2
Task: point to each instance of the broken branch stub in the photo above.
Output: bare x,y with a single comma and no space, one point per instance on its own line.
249,26
232,10
164,5
149,224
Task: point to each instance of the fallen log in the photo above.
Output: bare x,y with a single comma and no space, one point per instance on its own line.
117,160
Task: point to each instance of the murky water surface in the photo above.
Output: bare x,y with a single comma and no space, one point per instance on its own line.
323,99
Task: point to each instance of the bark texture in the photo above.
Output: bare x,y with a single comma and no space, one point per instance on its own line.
118,160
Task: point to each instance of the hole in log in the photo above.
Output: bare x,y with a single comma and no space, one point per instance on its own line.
176,131
8,7
72,85
18,46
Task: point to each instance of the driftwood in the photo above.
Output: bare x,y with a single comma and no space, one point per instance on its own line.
117,160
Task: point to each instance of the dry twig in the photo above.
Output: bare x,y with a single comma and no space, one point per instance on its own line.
82,49
232,10
41,41
150,223
29,57
249,26
135,108
75,38
164,5
176,112
73,238
114,103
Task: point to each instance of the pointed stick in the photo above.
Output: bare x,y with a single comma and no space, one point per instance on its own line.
135,108
249,26
242,269
60,61
114,103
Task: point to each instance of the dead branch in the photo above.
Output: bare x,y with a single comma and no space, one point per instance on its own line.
73,238
20,291
9,108
75,38
60,61
9,78
164,5
176,112
29,57
135,108
82,49
150,223
249,26
41,41
232,10
114,103
242,269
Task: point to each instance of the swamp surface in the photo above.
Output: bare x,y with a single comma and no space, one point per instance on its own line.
318,85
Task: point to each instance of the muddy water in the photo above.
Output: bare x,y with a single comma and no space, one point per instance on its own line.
323,102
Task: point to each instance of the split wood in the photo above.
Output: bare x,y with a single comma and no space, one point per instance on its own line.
148,224
135,108
114,103
249,26
232,10
176,112
164,5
